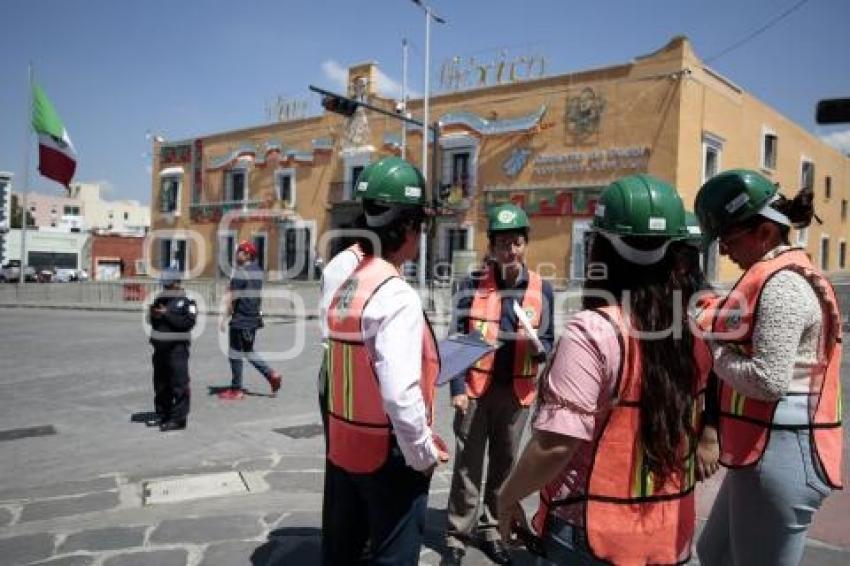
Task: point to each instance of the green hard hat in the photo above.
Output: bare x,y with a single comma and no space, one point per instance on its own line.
392,181
694,231
504,217
729,198
641,205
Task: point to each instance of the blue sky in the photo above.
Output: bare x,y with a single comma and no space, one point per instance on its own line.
116,69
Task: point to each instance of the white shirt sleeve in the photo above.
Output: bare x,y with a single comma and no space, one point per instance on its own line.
335,273
788,311
393,324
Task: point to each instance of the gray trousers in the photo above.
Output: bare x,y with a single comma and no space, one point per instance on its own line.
761,514
493,422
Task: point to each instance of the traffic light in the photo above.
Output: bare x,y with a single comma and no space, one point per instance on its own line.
339,104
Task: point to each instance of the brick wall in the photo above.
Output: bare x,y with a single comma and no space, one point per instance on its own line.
114,247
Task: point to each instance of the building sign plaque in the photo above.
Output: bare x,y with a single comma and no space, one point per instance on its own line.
633,158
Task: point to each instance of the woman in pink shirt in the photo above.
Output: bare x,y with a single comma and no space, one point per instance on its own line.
613,451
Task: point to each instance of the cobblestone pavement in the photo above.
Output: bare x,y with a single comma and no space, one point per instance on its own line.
75,494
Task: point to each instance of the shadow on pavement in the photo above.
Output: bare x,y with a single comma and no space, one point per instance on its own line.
290,545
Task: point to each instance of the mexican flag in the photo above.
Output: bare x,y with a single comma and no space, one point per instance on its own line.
56,157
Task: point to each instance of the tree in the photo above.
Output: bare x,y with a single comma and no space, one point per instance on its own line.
16,215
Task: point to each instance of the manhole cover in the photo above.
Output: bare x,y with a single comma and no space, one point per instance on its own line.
18,433
192,487
302,431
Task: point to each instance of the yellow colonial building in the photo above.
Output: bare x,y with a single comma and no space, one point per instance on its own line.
549,144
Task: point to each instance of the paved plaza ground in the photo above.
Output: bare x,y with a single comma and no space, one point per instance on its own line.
74,467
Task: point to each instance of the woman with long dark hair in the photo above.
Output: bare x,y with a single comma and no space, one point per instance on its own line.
776,344
615,433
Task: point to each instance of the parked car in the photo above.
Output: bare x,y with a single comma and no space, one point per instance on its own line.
65,275
11,272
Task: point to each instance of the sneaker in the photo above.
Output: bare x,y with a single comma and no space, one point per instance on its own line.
231,394
274,380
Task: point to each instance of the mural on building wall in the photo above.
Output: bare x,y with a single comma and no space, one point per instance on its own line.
546,202
493,68
516,161
270,152
584,114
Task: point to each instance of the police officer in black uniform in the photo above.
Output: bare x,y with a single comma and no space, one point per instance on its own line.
172,317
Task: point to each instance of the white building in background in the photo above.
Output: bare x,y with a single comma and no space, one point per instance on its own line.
112,216
48,249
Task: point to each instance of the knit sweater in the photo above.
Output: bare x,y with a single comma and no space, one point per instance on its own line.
785,340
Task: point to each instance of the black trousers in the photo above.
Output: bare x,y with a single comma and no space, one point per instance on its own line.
386,507
171,381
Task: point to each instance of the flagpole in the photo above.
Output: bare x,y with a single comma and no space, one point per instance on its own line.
25,210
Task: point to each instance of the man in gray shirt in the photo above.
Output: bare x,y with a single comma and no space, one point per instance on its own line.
244,304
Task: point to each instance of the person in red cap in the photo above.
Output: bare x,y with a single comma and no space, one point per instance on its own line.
244,304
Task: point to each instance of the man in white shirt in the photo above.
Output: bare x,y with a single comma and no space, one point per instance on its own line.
382,366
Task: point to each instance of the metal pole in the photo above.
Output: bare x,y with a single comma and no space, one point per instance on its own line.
403,96
423,241
23,263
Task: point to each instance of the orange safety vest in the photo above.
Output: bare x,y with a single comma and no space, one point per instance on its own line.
629,518
359,430
484,317
745,423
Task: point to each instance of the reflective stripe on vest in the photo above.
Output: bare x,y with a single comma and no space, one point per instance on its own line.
745,423
630,517
359,435
485,316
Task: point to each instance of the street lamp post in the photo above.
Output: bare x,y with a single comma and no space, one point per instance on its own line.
429,15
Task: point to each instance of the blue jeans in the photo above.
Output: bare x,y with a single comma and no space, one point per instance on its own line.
242,345
566,544
762,513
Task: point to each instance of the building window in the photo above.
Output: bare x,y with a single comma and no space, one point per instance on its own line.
824,253
260,243
285,183
235,185
458,174
807,174
803,237
843,209
169,194
827,186
126,216
173,254
71,210
355,174
226,253
769,151
111,215
842,254
353,166
53,225
712,147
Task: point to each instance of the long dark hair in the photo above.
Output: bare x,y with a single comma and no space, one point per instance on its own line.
654,296
800,210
